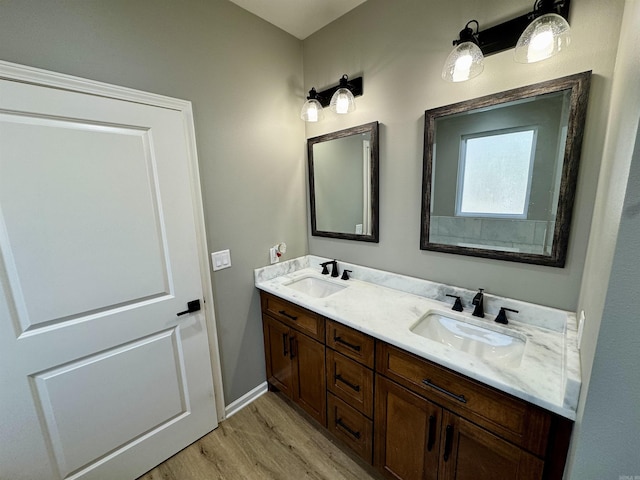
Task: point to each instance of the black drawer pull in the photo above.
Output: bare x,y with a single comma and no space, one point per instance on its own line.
428,383
448,442
344,342
284,312
339,378
432,432
284,345
353,433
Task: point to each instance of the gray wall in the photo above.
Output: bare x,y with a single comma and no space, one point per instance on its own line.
606,359
242,75
400,51
608,440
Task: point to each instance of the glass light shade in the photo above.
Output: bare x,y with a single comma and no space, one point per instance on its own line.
342,101
543,38
312,111
464,62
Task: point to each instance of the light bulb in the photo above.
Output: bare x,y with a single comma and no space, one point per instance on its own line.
541,45
312,114
462,68
342,104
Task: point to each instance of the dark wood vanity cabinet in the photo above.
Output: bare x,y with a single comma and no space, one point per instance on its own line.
295,361
409,417
460,429
442,445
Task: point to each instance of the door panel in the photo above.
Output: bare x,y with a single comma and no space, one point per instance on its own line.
398,411
153,367
63,174
279,369
311,384
477,454
98,252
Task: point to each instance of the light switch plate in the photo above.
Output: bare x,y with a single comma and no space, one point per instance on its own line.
221,259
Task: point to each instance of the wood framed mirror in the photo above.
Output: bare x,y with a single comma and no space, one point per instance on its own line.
500,172
344,183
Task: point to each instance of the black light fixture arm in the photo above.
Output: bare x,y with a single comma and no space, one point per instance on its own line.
324,97
467,35
313,94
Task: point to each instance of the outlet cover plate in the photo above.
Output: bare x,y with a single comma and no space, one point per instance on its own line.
221,259
273,255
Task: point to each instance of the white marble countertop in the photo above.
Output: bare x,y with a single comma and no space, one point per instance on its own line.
386,305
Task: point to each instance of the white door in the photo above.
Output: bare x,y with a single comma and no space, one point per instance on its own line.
99,377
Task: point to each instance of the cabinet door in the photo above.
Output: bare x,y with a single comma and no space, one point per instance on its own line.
407,433
472,453
277,339
309,376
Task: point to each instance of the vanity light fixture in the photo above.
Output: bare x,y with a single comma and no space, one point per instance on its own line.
312,110
536,36
340,98
466,60
343,101
546,36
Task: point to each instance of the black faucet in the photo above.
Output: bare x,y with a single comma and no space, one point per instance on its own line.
345,274
478,301
334,269
325,270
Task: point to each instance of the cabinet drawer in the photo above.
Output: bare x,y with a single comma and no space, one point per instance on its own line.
511,418
350,381
356,345
350,426
296,317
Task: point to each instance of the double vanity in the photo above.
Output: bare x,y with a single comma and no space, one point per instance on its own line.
415,388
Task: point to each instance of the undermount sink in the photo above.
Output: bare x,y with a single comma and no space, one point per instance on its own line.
484,343
315,287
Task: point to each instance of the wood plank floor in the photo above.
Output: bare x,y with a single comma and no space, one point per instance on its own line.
269,439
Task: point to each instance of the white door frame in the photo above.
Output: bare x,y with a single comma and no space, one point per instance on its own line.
36,76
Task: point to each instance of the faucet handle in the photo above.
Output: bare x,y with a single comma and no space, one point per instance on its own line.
502,315
325,270
345,274
457,305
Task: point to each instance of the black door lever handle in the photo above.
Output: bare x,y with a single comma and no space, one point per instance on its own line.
192,306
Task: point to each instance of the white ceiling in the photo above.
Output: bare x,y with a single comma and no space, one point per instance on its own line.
300,18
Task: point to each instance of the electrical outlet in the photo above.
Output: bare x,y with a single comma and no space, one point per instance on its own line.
273,255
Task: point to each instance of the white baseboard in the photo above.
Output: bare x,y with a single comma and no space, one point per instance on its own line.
237,405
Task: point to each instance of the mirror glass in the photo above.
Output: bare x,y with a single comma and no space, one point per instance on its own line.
499,172
343,183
